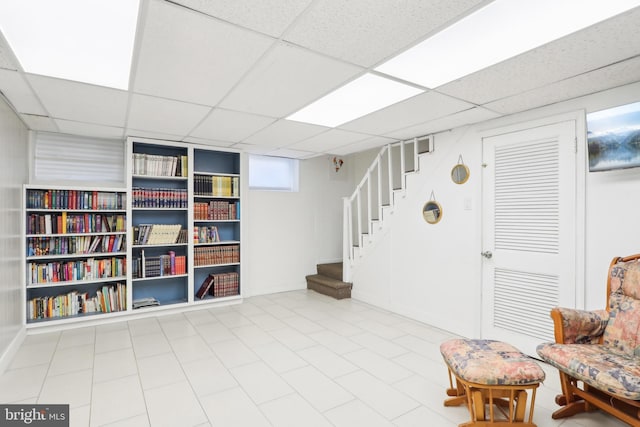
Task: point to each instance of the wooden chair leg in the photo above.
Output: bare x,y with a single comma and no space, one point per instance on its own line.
571,403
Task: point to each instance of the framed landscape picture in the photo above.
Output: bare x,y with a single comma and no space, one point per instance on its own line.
613,138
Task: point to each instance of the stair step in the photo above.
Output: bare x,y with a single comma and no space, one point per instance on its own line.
328,286
332,270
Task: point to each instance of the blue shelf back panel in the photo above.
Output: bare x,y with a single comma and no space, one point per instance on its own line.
155,182
201,273
216,162
168,290
228,230
160,217
154,251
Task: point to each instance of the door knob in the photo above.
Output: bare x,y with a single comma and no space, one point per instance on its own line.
487,254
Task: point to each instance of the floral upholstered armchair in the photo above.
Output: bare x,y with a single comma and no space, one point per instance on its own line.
598,352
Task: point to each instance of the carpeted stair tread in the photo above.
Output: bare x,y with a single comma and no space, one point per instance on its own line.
328,281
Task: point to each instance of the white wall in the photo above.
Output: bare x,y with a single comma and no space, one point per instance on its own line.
433,272
289,233
13,173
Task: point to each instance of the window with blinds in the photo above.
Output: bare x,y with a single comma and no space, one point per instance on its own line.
66,158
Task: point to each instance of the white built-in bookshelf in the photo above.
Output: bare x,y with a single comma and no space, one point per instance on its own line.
170,239
216,225
76,252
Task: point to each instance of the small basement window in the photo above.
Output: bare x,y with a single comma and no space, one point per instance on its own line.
273,173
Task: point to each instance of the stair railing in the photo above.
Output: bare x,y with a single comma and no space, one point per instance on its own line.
376,190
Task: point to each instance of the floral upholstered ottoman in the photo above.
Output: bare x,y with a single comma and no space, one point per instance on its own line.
491,374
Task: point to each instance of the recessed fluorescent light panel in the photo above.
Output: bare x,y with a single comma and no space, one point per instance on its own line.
498,31
355,99
89,41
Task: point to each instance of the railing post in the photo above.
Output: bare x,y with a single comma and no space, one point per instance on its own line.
379,162
416,166
359,220
369,228
403,165
347,240
390,165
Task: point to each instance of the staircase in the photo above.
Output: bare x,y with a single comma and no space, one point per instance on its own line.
375,197
329,282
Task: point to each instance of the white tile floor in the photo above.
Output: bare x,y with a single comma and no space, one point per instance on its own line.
288,359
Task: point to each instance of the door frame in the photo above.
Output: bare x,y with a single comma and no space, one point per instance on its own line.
579,118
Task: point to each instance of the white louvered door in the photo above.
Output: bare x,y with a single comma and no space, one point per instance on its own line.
529,216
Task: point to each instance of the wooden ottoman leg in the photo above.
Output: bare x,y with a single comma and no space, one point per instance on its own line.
521,405
457,393
477,399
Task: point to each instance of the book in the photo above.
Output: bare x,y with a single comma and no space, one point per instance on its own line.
205,286
145,302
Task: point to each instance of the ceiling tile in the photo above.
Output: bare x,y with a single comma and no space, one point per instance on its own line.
292,154
188,56
252,149
614,75
137,133
327,141
16,89
85,129
283,133
226,125
207,142
597,46
80,102
419,109
366,32
287,79
164,115
462,118
367,144
41,123
267,17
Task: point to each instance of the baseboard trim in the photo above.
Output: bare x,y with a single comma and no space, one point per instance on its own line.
278,289
7,357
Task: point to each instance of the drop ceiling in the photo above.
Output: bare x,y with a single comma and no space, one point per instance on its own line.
228,73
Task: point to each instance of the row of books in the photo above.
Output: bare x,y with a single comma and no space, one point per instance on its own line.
216,210
75,245
169,264
159,198
63,223
109,298
212,255
157,165
205,234
220,285
219,186
158,234
76,199
67,271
